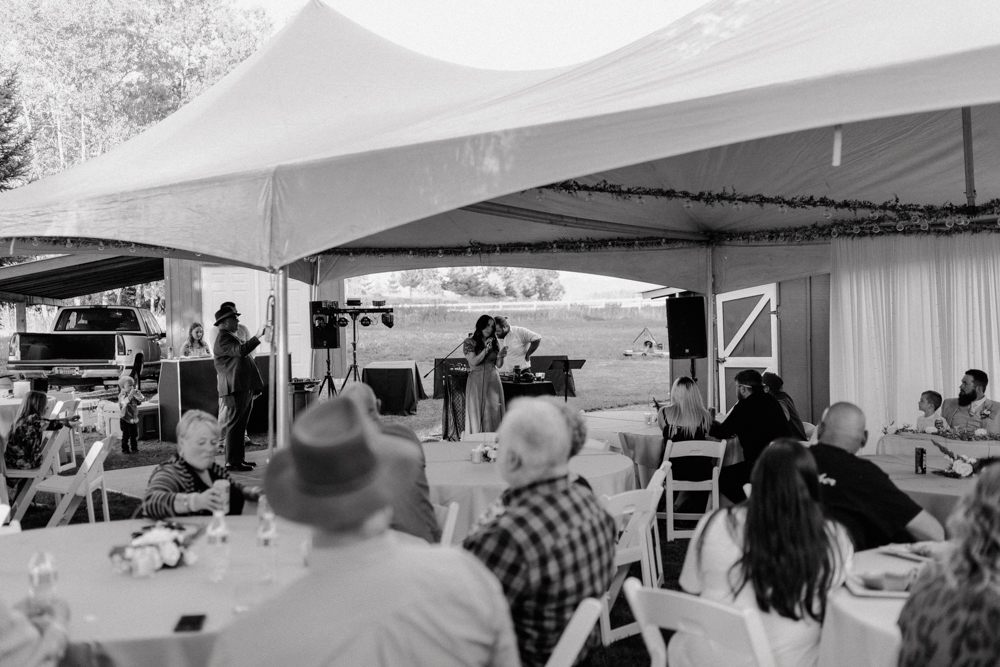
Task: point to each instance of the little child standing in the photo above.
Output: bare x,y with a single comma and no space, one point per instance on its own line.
929,406
129,400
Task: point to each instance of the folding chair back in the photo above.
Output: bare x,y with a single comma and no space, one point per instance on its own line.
739,630
447,517
682,449
65,408
72,490
52,442
575,635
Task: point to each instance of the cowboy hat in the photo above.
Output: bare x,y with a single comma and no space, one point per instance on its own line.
225,313
339,468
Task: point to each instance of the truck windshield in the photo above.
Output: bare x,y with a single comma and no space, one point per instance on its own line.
97,319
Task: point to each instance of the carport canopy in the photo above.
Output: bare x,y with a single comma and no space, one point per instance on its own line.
52,280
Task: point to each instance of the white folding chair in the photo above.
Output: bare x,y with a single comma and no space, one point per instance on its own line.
52,442
64,407
70,490
447,517
637,510
676,450
739,630
8,528
575,635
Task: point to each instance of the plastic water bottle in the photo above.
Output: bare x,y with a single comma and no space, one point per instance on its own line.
42,577
217,547
267,537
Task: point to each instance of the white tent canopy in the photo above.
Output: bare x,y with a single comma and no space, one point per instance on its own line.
331,136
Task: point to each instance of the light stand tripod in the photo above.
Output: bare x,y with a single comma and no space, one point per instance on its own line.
354,353
327,382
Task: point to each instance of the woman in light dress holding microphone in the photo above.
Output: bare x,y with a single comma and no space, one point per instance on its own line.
192,482
484,403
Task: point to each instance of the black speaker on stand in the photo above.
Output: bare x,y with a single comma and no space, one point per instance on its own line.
324,334
686,334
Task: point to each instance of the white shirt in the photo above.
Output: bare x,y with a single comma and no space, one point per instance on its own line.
517,341
383,602
793,643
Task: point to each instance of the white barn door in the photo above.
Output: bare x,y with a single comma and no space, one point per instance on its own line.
747,334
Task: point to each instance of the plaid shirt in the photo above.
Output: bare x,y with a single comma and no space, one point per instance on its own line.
553,546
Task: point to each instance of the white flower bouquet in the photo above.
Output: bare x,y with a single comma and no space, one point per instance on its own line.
960,465
485,453
163,544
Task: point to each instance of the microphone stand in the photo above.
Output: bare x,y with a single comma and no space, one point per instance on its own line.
443,360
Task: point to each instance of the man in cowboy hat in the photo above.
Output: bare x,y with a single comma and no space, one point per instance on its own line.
553,544
371,596
238,381
412,511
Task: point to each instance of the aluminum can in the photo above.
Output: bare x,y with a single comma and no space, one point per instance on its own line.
920,464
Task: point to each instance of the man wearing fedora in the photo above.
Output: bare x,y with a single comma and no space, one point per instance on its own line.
371,596
238,381
553,543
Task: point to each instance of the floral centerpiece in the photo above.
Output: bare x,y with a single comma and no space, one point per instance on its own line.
485,452
164,544
960,465
964,435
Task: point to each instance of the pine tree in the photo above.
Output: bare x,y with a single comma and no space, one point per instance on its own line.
15,139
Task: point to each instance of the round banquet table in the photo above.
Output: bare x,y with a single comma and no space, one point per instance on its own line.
862,631
121,620
453,476
936,494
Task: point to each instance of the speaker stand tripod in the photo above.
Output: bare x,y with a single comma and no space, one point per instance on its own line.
327,382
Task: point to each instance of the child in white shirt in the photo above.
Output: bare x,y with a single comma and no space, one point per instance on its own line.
930,408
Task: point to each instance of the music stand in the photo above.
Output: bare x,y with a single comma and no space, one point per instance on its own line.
566,365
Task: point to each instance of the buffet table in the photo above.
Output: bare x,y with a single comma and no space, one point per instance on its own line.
120,620
862,631
934,493
453,476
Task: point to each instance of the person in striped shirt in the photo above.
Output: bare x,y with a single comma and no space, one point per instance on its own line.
184,484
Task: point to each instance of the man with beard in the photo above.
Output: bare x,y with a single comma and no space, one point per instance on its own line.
972,410
756,419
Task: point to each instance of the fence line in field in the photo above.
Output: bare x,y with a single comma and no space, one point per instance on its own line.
538,305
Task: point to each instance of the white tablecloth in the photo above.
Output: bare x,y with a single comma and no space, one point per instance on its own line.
606,426
862,632
119,620
934,493
453,476
905,443
8,410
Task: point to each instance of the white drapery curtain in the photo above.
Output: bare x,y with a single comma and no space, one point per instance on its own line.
910,314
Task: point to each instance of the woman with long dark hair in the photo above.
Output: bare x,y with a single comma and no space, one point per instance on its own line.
776,553
484,404
950,616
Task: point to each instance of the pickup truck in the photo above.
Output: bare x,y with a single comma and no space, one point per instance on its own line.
90,344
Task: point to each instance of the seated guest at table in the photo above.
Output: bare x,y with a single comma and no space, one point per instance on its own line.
24,440
857,493
484,402
185,484
950,618
686,418
756,420
777,553
930,412
774,386
196,345
519,342
33,634
369,596
972,410
554,544
412,511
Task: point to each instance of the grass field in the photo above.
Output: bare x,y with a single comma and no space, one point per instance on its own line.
608,379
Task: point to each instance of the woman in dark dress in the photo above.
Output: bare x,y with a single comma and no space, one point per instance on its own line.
687,419
484,403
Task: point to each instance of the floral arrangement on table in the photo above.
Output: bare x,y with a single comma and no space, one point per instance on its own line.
961,465
978,435
485,452
164,544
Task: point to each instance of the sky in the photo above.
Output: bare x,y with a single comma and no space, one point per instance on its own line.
510,34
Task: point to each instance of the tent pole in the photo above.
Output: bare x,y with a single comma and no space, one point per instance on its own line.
282,371
970,172
712,369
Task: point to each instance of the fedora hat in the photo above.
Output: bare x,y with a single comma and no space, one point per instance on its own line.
225,313
339,468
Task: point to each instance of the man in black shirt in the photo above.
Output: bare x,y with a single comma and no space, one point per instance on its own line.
756,419
774,386
857,493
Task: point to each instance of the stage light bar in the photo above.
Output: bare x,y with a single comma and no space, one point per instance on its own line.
365,321
388,320
342,322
